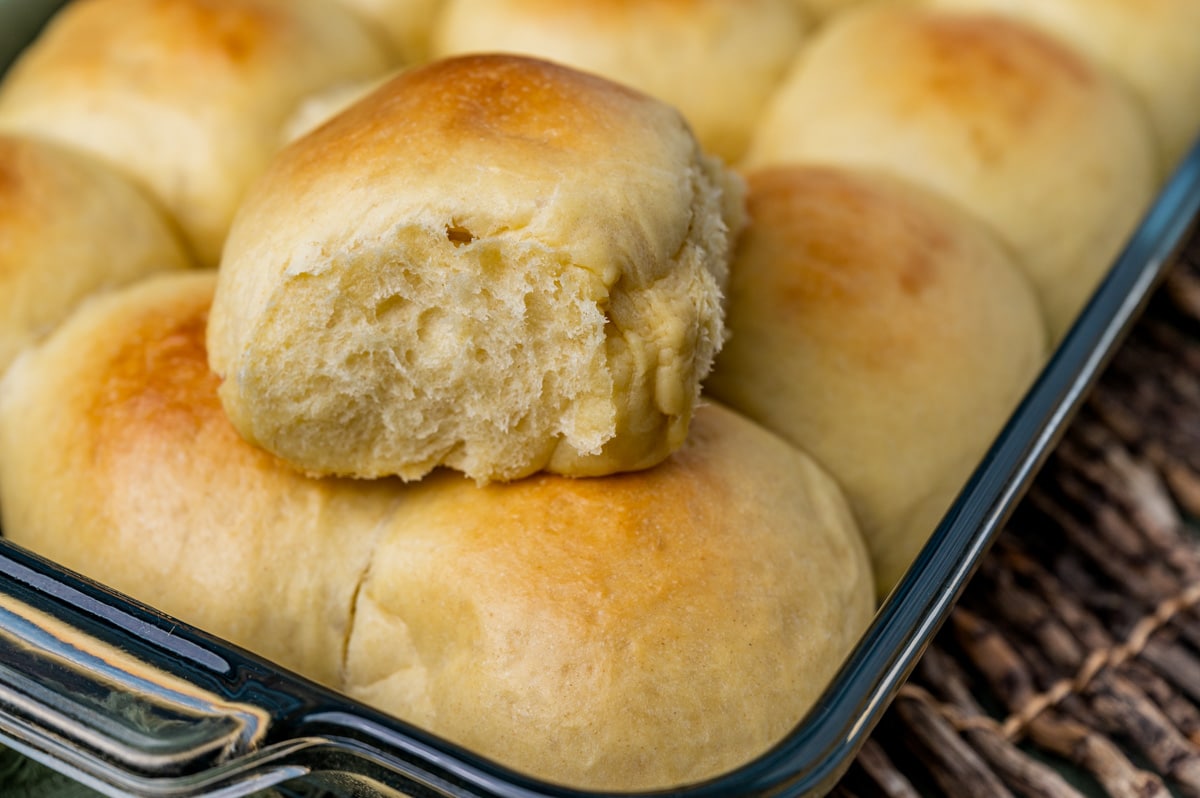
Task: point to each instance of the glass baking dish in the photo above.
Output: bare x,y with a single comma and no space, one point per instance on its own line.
131,702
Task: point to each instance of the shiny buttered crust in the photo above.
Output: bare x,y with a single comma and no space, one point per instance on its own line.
116,461
492,263
717,61
884,331
186,96
624,632
1005,120
1150,44
69,226
631,631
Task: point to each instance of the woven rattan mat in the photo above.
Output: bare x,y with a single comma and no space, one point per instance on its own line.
1071,666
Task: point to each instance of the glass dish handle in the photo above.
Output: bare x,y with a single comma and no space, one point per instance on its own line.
72,685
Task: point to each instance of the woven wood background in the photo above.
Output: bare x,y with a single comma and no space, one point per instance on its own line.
1071,666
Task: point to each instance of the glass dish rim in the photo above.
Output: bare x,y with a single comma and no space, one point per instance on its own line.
308,730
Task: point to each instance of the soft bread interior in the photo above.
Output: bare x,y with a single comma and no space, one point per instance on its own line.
447,274
632,631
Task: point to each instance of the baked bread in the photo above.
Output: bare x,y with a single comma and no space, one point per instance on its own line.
626,632
405,25
493,263
623,632
69,226
1150,44
883,330
717,61
185,96
144,485
995,115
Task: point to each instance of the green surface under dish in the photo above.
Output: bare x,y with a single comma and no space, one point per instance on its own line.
20,19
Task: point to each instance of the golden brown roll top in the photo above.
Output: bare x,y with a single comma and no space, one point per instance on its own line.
883,330
717,61
622,632
69,226
585,629
117,461
997,116
185,96
492,263
1151,45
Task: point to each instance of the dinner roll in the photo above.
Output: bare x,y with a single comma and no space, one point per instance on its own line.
883,330
69,226
492,263
186,96
622,632
993,114
625,632
405,24
116,461
716,60
1153,45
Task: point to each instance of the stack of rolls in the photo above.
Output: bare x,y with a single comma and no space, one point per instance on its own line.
866,332
437,277
625,632
494,287
186,97
1020,130
579,412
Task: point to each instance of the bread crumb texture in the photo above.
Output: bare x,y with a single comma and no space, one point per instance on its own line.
491,263
631,631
